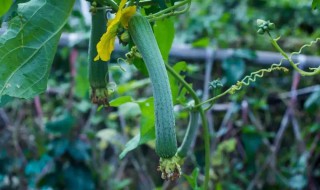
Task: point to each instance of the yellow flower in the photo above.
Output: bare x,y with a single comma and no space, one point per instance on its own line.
106,43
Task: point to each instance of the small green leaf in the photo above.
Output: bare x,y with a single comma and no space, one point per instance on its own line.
121,100
138,62
164,33
141,66
315,128
130,145
192,180
5,6
28,47
313,102
315,4
202,42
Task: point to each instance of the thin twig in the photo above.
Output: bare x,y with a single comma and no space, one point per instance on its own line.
207,79
302,91
73,71
278,138
283,127
227,117
87,124
121,168
293,101
260,127
297,134
258,174
244,111
4,117
39,112
140,168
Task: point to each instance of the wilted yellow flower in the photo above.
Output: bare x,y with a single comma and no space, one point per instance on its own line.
106,43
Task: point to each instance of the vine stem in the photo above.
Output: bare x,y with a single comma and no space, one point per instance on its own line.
244,82
164,13
203,120
295,66
212,99
110,3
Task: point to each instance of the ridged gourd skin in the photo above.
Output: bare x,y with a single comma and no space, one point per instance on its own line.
190,134
98,70
143,37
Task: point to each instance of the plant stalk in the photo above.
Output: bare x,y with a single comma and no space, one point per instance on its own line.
302,72
203,120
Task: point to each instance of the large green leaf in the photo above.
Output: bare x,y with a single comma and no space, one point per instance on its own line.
164,33
147,129
12,12
315,4
5,5
178,95
27,48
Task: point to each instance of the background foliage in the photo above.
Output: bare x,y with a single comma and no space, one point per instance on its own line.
263,137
